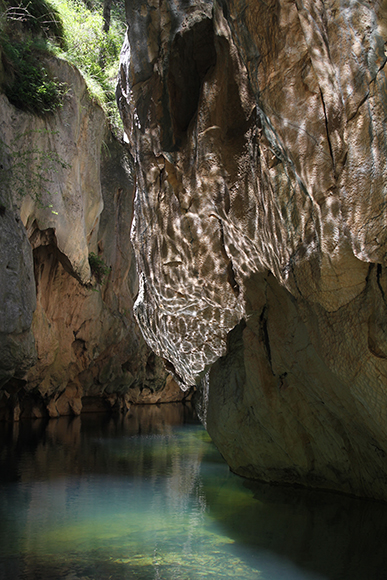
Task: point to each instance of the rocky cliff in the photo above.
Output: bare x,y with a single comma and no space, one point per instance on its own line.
258,132
68,339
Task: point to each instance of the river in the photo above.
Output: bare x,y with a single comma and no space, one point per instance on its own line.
147,496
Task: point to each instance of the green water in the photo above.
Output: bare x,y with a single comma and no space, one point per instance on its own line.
148,497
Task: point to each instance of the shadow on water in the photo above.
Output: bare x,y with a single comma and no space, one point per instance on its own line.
335,536
147,496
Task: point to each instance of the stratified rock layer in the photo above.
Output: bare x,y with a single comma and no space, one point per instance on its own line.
259,138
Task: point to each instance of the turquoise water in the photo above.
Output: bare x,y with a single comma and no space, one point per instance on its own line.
148,497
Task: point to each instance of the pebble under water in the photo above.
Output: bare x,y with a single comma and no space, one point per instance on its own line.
147,496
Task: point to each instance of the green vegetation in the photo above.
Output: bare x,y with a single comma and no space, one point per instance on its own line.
71,29
36,16
30,86
98,268
92,50
24,30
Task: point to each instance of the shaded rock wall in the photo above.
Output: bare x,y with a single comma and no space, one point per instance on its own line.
17,352
258,135
68,339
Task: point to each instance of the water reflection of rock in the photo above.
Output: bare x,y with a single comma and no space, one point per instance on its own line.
58,446
95,487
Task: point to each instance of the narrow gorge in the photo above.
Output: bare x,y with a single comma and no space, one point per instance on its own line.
243,222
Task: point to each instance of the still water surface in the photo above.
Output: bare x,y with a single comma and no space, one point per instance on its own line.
148,497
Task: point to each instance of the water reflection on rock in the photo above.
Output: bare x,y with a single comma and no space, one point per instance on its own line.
147,496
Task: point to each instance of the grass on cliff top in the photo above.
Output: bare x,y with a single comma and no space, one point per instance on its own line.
24,29
70,29
94,52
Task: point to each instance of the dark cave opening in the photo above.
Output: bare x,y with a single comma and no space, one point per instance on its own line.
193,53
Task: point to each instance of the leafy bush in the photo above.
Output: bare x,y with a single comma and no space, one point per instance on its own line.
30,87
25,28
98,268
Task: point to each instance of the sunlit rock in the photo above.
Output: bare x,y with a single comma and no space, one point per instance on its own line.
68,339
259,139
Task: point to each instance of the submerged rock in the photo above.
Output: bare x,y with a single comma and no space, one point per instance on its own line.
258,134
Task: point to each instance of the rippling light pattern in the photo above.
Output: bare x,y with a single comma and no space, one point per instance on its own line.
249,178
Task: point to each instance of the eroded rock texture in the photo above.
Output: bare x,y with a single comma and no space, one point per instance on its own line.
259,138
68,339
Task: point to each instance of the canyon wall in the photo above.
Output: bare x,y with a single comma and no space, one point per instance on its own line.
258,133
68,339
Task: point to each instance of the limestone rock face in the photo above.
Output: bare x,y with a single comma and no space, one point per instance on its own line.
258,132
68,339
57,160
